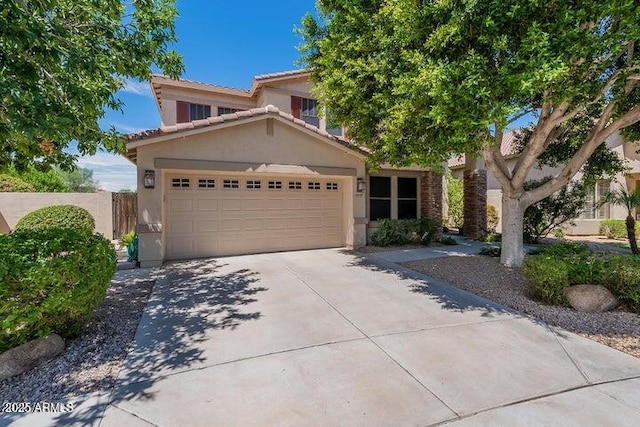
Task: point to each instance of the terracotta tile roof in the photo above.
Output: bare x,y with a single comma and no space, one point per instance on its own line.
289,73
195,82
239,116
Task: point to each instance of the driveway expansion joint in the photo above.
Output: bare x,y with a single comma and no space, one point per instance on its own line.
540,397
308,285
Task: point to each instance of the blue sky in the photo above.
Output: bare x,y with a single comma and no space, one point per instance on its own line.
224,43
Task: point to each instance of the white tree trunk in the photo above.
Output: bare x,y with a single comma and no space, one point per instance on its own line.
512,227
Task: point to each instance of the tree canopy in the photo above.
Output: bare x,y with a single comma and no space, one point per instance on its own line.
418,82
61,64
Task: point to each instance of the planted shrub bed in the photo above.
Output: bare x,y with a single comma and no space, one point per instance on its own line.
553,269
615,229
404,231
51,282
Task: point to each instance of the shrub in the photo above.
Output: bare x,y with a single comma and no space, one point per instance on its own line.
552,212
11,184
492,218
622,278
491,251
565,248
568,264
547,277
615,229
455,201
59,216
449,241
52,280
490,237
403,231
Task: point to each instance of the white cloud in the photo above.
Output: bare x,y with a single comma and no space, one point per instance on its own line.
137,88
113,172
127,129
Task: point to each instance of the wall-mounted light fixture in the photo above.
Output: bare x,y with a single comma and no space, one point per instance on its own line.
149,179
362,185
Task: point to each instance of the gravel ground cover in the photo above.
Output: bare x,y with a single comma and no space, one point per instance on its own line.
91,362
486,277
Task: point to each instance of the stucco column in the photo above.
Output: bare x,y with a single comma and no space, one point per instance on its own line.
475,197
431,199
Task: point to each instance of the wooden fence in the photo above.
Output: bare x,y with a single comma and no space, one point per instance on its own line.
125,213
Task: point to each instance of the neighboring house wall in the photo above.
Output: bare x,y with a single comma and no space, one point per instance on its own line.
14,206
583,225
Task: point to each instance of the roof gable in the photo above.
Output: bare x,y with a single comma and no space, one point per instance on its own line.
226,120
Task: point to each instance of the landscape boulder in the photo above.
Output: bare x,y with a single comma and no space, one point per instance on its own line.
29,355
591,298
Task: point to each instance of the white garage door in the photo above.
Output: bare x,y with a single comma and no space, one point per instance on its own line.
211,215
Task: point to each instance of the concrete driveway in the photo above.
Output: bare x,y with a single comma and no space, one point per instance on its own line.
329,338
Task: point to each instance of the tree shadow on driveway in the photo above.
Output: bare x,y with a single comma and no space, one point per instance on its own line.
447,296
189,299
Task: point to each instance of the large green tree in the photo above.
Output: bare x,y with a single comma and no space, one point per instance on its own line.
61,64
419,81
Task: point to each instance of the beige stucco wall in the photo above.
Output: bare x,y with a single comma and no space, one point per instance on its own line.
248,142
14,206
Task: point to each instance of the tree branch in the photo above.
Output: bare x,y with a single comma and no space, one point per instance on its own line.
597,138
538,143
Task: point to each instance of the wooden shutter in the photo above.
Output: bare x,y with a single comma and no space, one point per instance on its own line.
182,109
296,106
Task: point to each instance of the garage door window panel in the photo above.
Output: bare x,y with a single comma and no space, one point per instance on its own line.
231,184
207,183
180,183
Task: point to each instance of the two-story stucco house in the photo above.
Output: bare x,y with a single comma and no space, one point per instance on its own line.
236,171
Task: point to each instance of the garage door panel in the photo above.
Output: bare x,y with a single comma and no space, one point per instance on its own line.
207,225
181,205
253,224
275,224
222,221
181,227
206,205
297,204
253,204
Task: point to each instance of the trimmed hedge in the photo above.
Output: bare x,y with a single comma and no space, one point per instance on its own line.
51,282
404,231
11,184
58,216
615,229
553,269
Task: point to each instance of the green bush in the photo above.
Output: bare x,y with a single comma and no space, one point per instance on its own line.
492,218
59,216
623,279
449,241
556,267
548,278
11,184
492,251
615,229
51,282
565,248
404,231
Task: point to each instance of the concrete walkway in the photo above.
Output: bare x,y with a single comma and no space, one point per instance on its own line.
331,338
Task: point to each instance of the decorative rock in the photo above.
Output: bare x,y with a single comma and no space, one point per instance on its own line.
591,298
29,355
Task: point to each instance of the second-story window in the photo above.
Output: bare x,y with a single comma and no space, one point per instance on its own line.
187,112
305,109
227,110
199,111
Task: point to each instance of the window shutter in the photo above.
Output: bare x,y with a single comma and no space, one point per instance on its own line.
296,106
182,109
